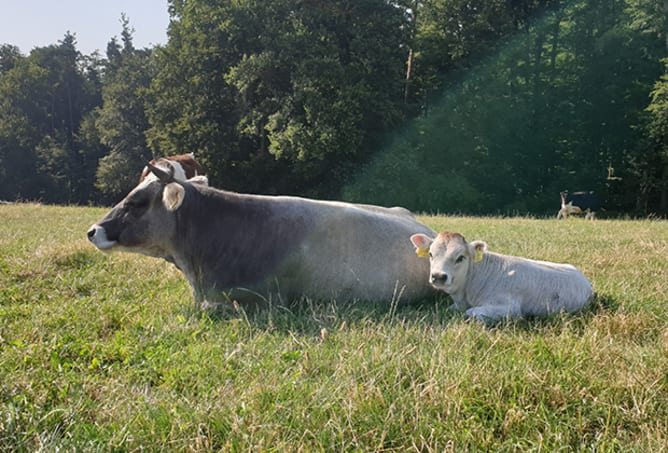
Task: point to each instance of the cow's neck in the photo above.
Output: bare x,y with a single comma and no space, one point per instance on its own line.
205,236
233,241
477,279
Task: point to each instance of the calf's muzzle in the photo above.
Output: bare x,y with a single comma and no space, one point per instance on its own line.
439,277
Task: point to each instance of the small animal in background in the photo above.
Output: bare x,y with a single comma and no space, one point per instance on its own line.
567,209
490,287
577,203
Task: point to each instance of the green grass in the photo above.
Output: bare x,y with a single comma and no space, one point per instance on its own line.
107,353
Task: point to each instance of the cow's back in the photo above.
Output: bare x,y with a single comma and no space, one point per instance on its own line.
357,253
542,287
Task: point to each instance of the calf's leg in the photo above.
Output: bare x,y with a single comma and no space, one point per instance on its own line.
490,314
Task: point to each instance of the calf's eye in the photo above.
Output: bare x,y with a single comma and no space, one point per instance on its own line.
459,259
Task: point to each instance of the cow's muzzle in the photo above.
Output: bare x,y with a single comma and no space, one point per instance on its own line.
98,236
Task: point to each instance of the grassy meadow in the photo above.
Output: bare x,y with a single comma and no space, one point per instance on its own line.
108,353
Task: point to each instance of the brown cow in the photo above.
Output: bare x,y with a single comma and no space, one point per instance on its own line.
185,167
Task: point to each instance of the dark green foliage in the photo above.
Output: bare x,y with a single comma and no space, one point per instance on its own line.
275,95
447,105
553,110
43,100
121,121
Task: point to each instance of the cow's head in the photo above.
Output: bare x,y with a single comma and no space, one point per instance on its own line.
145,220
185,167
450,258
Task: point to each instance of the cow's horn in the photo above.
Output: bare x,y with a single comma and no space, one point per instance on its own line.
164,176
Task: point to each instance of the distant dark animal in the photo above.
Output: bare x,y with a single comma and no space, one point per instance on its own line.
185,167
579,202
489,286
253,248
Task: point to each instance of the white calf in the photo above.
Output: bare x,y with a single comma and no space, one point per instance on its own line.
489,287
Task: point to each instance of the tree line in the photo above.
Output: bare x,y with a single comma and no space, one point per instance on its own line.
440,105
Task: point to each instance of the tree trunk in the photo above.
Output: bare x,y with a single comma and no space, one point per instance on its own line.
409,61
663,201
409,66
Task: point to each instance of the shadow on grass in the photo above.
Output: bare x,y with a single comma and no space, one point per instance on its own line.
308,317
574,321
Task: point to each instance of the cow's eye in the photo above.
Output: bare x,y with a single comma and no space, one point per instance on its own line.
460,258
137,204
430,255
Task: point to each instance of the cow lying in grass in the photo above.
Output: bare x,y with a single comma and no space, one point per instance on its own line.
253,248
490,287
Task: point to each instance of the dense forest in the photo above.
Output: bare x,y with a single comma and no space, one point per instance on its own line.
481,107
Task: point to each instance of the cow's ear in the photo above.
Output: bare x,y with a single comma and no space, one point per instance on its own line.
478,248
421,242
173,195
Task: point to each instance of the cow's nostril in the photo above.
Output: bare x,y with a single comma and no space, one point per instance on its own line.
91,233
439,277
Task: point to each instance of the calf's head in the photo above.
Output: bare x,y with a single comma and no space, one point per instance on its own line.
450,258
145,220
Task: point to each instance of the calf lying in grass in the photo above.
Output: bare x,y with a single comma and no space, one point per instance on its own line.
489,287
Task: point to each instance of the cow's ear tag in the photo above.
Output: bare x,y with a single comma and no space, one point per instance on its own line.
478,256
173,195
422,252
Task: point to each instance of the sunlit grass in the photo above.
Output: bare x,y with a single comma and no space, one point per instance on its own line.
107,352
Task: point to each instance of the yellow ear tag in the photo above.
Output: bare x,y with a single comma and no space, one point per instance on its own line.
478,256
422,252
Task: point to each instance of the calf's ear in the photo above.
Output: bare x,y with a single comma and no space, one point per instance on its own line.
421,242
478,248
173,195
